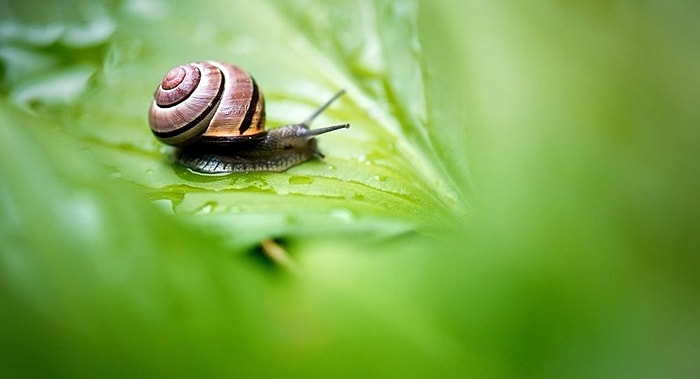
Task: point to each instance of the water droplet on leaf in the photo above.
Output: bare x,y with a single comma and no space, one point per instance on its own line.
300,180
342,214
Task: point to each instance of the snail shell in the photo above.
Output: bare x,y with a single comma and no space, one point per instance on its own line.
206,99
214,113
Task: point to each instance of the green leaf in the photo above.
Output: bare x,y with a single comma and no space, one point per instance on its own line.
515,196
381,176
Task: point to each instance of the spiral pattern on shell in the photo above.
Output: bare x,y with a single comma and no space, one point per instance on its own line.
206,99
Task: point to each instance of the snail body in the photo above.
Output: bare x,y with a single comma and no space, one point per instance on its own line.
214,114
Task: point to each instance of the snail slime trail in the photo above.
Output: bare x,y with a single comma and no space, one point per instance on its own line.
214,114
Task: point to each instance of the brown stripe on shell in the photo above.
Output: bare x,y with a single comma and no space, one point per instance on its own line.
241,110
252,109
257,123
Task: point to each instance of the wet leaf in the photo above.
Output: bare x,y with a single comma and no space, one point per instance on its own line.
515,196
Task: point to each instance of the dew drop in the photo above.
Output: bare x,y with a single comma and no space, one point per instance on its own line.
452,199
342,214
300,180
164,204
376,155
206,208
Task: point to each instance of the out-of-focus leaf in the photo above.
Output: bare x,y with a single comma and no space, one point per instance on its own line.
566,132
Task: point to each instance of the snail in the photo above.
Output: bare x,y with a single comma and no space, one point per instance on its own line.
214,114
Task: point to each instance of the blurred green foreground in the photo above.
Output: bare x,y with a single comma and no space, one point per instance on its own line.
517,195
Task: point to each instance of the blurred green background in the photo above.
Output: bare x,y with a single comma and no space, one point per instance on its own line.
517,195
